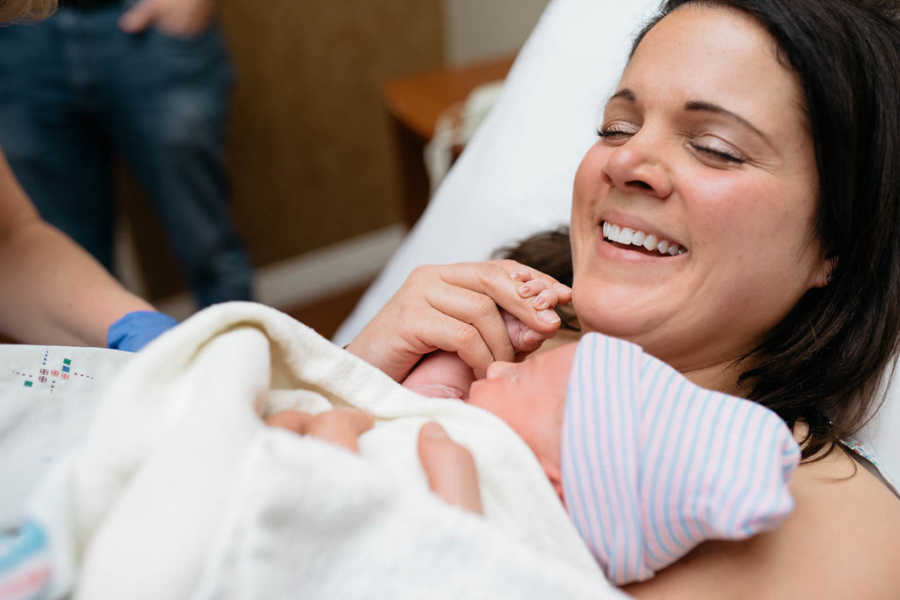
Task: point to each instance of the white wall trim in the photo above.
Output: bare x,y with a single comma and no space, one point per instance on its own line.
314,275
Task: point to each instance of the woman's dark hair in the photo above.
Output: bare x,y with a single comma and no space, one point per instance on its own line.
823,363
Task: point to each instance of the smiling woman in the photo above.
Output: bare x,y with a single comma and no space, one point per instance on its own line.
760,145
678,161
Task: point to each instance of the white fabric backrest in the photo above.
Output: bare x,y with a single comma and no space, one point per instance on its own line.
881,436
515,176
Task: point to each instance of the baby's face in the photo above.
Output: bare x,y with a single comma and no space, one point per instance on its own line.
530,397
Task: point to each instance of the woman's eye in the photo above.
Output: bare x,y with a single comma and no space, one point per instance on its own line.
719,153
614,132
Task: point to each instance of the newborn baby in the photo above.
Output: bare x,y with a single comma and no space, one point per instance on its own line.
646,473
645,470
529,396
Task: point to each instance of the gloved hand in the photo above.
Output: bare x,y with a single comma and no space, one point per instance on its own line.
137,329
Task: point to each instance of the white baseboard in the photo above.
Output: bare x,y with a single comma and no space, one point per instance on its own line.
310,276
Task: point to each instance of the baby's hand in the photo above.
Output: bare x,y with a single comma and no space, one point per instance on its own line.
543,296
441,375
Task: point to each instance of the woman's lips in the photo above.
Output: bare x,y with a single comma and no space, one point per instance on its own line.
635,240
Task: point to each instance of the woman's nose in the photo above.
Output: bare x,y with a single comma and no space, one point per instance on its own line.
499,369
637,166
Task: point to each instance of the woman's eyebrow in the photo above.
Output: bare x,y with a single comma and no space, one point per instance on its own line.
698,105
624,93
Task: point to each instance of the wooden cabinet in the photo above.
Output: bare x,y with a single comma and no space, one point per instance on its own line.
414,105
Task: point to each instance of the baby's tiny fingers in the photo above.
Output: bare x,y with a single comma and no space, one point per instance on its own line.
522,275
563,293
532,287
546,299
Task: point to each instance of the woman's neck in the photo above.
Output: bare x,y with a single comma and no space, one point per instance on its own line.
722,377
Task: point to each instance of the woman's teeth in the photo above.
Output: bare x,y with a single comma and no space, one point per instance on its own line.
633,237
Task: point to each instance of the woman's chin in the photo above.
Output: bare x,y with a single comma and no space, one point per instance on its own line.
629,311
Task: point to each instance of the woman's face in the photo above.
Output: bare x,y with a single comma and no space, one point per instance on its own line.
704,146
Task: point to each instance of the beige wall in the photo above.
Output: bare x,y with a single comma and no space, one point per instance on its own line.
309,147
482,29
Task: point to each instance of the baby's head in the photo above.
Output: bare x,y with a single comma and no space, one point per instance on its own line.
530,397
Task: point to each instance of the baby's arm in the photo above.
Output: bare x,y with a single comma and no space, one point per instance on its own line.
440,375
445,375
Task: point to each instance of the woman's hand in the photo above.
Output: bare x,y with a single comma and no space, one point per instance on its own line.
341,426
449,466
457,308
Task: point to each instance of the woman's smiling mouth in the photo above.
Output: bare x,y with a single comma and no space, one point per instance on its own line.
639,241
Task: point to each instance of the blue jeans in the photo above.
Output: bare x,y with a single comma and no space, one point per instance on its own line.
75,89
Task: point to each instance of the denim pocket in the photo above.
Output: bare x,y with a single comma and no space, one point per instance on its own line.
176,39
201,56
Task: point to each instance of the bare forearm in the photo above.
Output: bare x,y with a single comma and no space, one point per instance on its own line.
53,292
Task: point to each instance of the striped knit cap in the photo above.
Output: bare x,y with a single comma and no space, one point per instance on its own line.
653,464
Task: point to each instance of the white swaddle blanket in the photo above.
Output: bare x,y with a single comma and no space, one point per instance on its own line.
180,491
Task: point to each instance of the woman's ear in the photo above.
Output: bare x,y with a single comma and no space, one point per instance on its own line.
825,273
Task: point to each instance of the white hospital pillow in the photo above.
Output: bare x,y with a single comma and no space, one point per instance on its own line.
515,176
881,436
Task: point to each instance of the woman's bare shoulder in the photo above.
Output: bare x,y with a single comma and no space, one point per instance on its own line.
841,541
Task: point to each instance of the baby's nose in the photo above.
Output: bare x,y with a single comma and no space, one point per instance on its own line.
499,369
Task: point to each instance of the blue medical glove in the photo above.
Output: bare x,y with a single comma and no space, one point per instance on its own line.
137,329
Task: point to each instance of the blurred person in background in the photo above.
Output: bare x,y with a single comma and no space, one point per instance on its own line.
144,79
51,290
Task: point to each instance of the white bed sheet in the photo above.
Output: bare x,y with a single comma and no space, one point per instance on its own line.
46,406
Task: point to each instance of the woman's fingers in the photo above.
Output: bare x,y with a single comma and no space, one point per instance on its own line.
450,468
496,280
341,426
452,335
454,308
291,420
476,310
